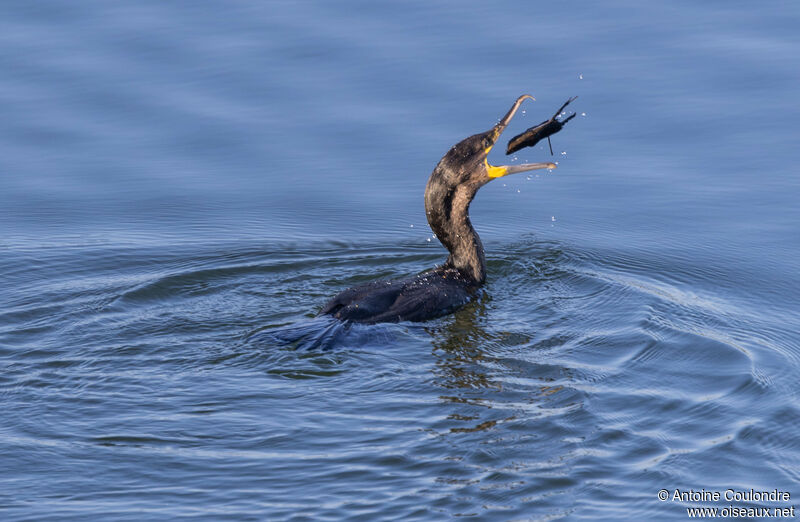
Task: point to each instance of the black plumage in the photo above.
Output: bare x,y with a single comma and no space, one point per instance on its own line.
448,194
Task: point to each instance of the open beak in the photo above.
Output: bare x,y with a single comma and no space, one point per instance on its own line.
504,170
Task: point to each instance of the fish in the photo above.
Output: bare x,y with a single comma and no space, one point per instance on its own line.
535,134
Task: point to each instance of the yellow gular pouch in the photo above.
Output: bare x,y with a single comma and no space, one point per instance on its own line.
496,172
491,170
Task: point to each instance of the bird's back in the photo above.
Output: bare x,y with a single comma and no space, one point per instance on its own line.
419,298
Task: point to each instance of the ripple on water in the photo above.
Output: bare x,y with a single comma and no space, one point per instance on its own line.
576,381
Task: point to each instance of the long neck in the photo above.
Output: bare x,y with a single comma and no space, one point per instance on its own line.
447,208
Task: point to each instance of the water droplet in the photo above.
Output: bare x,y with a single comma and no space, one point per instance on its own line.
524,111
580,76
517,191
563,153
412,226
429,240
553,218
583,114
504,184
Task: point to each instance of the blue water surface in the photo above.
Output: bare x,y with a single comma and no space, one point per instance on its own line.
184,184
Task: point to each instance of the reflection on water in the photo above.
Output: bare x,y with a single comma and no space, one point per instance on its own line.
458,347
183,186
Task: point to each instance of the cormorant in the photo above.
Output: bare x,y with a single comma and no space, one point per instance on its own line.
450,189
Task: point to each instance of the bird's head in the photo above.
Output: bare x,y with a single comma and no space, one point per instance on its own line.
451,187
466,163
